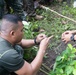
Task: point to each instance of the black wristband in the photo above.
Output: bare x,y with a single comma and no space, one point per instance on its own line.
72,38
36,42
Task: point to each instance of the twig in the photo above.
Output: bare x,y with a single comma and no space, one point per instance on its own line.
51,66
57,48
44,7
44,71
46,67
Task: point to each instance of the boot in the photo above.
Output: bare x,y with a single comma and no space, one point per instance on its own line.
38,17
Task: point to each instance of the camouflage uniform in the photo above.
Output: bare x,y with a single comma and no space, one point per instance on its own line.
1,8
29,7
16,5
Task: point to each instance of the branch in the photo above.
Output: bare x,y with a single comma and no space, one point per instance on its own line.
44,71
46,67
44,7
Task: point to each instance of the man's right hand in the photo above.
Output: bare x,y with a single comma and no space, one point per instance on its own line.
44,43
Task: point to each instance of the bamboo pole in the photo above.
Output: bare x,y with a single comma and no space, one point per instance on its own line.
47,8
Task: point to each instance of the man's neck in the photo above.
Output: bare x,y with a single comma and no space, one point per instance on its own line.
6,38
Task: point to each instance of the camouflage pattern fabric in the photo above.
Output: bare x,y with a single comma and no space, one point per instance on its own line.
29,7
1,8
16,5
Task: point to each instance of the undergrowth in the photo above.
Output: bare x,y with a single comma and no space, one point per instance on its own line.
52,24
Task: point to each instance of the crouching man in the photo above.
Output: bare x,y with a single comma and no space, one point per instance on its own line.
12,44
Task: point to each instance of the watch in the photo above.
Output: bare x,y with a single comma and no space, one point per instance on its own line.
72,38
37,43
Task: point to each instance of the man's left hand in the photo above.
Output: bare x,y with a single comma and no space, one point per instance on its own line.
40,37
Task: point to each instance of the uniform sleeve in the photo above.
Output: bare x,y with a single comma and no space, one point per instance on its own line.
12,61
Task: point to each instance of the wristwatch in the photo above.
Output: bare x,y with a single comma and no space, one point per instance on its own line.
72,38
37,43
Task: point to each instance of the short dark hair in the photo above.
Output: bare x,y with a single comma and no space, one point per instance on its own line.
7,19
12,18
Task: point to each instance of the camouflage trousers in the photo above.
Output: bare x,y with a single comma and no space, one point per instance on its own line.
16,5
1,8
29,7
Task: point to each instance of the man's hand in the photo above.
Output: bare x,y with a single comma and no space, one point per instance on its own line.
66,36
67,32
40,37
44,43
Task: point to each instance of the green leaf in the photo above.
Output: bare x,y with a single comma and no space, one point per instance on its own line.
65,57
72,55
73,62
65,52
58,58
68,69
61,71
70,46
54,66
74,71
74,50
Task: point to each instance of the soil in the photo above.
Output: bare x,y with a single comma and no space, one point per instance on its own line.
51,56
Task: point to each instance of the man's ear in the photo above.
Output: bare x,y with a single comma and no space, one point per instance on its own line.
12,33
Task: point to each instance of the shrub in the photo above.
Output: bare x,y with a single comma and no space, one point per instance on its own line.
65,63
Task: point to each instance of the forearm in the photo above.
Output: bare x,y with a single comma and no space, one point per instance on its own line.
75,37
36,63
27,43
74,31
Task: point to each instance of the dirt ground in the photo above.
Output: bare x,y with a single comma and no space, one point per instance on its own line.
51,56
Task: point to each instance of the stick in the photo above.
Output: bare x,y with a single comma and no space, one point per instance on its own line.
44,7
44,71
46,67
